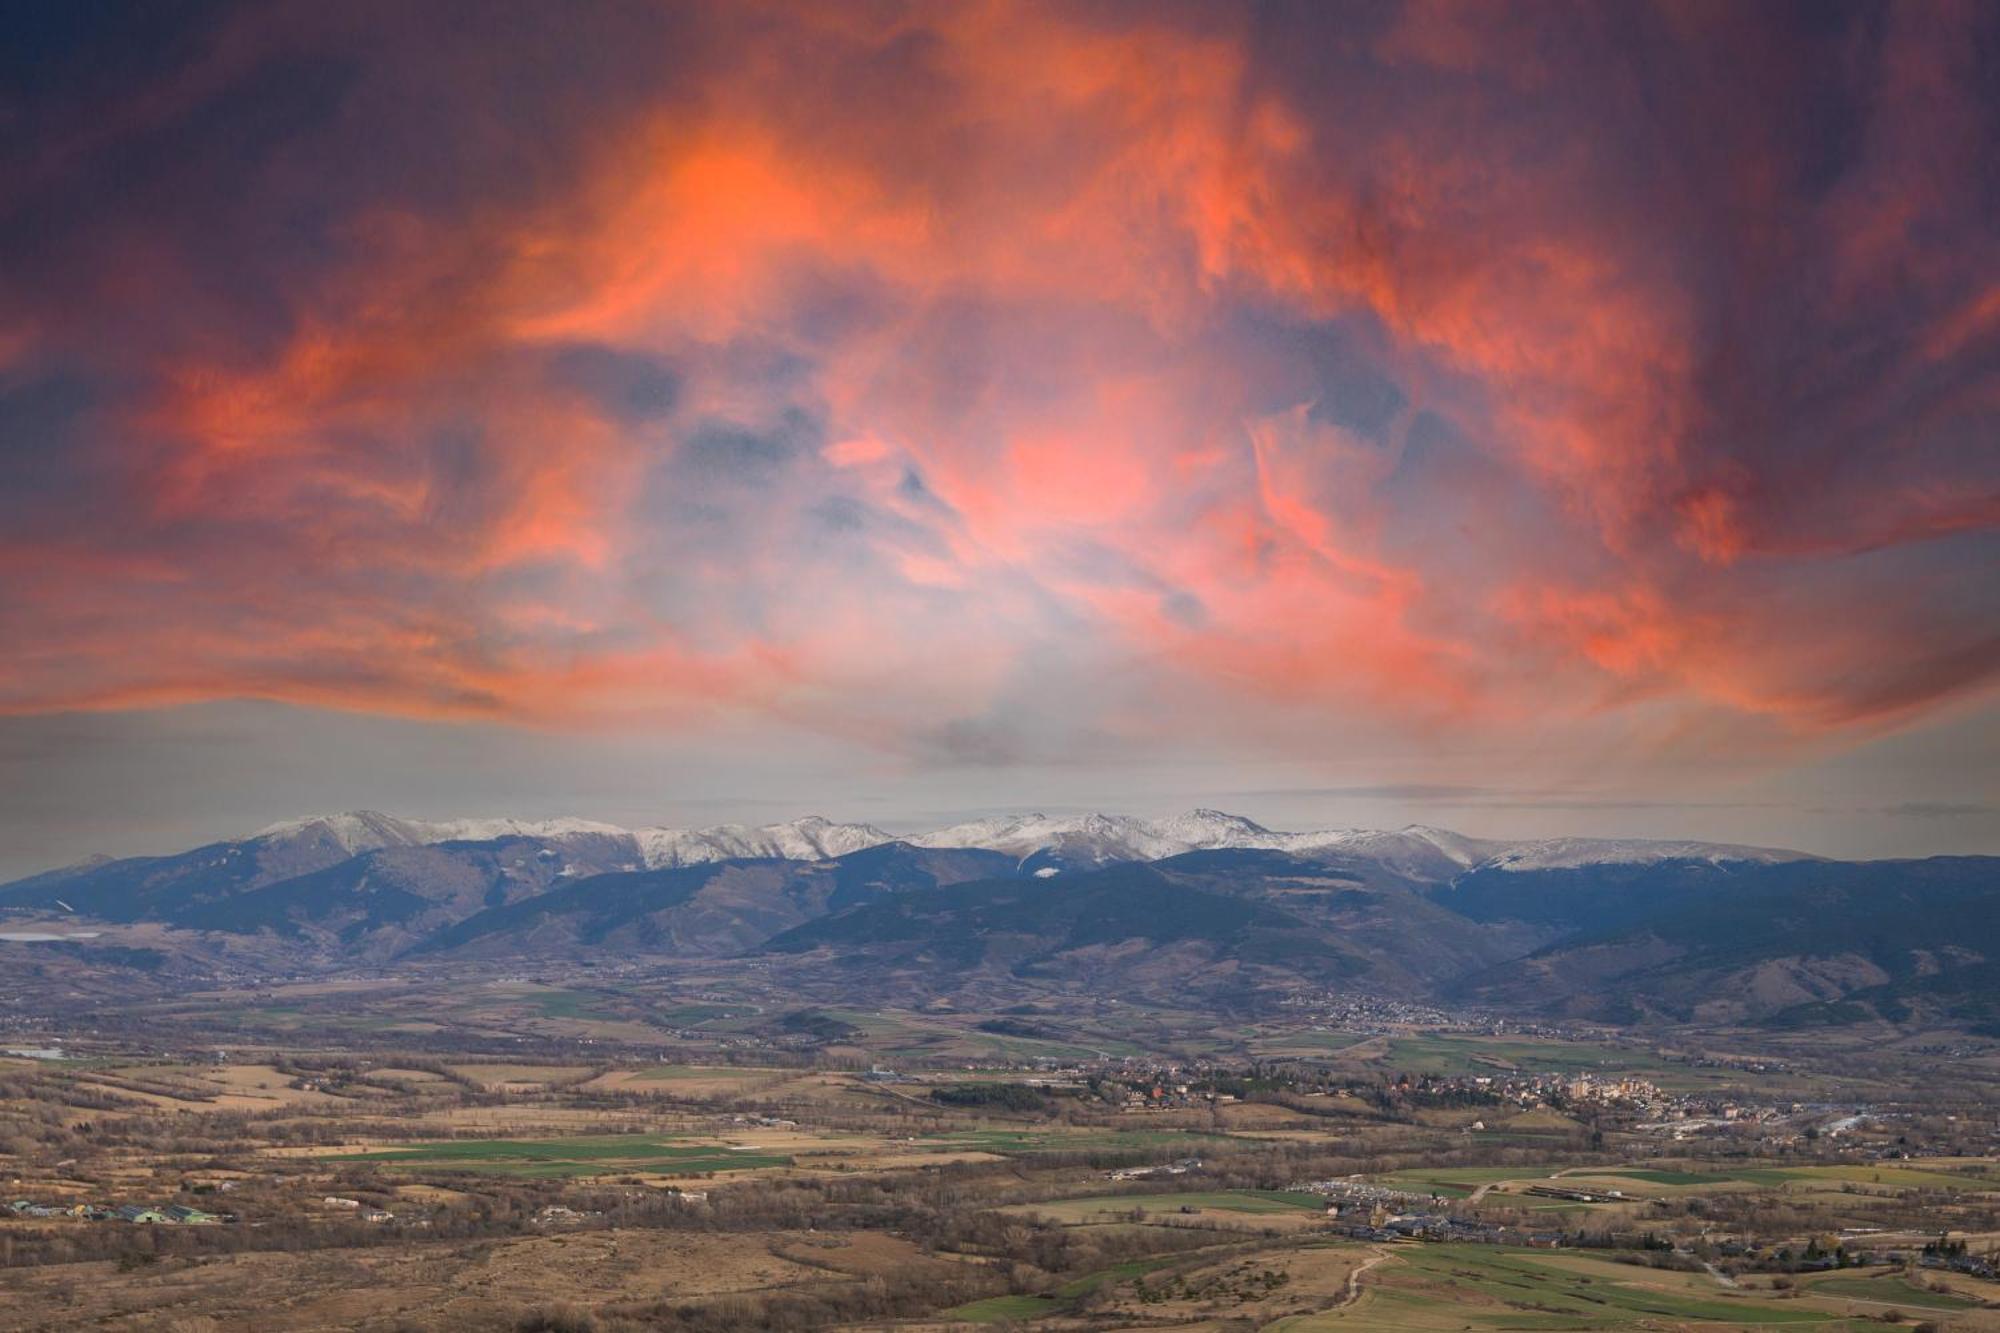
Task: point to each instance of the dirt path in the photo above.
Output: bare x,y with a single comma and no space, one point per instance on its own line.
1353,1292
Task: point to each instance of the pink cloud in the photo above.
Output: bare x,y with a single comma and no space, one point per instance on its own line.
1008,339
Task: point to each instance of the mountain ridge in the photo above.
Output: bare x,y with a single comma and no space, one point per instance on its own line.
1205,905
1089,838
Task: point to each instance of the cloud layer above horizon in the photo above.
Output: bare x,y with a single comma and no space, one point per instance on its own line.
996,383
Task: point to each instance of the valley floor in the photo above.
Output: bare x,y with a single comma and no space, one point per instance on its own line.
897,1172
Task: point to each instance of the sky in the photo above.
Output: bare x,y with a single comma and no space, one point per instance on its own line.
1525,419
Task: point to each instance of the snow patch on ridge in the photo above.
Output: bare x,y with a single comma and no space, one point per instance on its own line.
1574,853
1098,838
808,839
360,831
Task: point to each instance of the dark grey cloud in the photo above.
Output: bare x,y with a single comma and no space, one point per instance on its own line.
627,386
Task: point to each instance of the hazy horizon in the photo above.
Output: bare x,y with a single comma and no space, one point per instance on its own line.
143,783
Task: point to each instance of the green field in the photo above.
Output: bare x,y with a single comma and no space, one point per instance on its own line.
597,1156
998,1309
1002,1309
1656,1177
696,1073
1482,1287
1437,1054
1008,1142
1316,1043
1890,1289
1455,1182
568,1004
1090,1282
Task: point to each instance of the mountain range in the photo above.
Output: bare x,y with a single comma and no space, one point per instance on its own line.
1205,906
1098,839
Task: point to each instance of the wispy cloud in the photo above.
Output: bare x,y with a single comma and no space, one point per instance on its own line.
1943,810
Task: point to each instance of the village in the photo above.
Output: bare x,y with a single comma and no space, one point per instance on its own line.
1626,1100
171,1214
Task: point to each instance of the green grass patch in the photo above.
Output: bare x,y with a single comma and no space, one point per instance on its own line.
1435,1054
1762,1175
998,1309
596,1156
1891,1289
569,1004
1008,1142
1322,1042
1001,1309
1472,1275
694,1073
1090,1282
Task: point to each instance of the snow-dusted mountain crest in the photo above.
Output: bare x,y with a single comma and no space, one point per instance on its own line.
1082,839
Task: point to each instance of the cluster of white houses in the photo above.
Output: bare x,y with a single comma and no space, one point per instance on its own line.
359,1209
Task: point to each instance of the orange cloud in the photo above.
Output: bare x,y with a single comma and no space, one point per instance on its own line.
872,362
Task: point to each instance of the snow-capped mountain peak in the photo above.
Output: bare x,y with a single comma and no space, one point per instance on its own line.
1211,828
353,832
359,831
1095,838
812,838
1091,838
